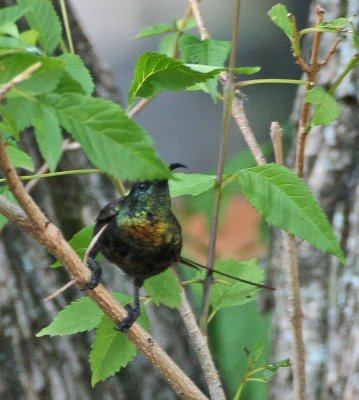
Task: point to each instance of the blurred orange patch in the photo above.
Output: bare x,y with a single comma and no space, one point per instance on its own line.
238,234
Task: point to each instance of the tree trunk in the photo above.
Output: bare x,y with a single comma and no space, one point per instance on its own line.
329,290
57,368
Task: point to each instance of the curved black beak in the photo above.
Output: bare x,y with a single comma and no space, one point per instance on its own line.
173,166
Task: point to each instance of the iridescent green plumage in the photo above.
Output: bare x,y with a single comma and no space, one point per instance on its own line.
142,237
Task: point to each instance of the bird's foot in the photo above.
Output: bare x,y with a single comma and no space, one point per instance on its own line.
132,314
96,272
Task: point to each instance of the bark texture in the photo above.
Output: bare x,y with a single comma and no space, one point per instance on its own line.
330,299
57,368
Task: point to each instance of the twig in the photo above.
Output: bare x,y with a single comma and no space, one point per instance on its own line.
62,289
241,119
92,243
290,255
37,225
67,145
312,71
199,19
139,107
276,134
23,76
200,343
73,281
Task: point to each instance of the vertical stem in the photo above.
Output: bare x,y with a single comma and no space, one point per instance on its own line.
200,343
296,318
65,18
290,255
227,111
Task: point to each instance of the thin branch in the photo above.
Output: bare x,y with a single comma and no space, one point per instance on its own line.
92,243
37,225
199,19
317,35
290,256
228,89
67,145
23,76
61,290
138,107
276,134
201,347
73,281
241,119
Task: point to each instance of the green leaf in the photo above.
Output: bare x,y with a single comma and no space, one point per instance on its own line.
191,184
246,70
153,30
189,23
272,369
235,293
164,289
79,316
155,72
79,242
335,25
11,14
42,17
43,80
110,352
77,77
326,108
30,36
206,52
107,134
355,34
20,159
18,111
284,200
48,134
168,45
280,17
9,29
6,192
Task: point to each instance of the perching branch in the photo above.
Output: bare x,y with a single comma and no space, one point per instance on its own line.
36,224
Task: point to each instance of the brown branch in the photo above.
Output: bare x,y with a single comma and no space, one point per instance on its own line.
241,119
290,255
52,239
61,290
276,134
201,347
199,19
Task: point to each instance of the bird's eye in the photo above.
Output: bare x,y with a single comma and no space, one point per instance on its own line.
142,186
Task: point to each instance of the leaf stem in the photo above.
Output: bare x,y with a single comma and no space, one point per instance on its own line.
65,18
56,174
351,64
241,84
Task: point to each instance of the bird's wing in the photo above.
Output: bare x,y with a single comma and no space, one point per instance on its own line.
108,213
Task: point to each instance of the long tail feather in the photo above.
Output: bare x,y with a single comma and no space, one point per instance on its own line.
194,264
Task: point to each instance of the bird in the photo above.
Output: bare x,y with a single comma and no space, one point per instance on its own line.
141,235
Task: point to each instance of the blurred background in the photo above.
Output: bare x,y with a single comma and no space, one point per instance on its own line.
186,127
